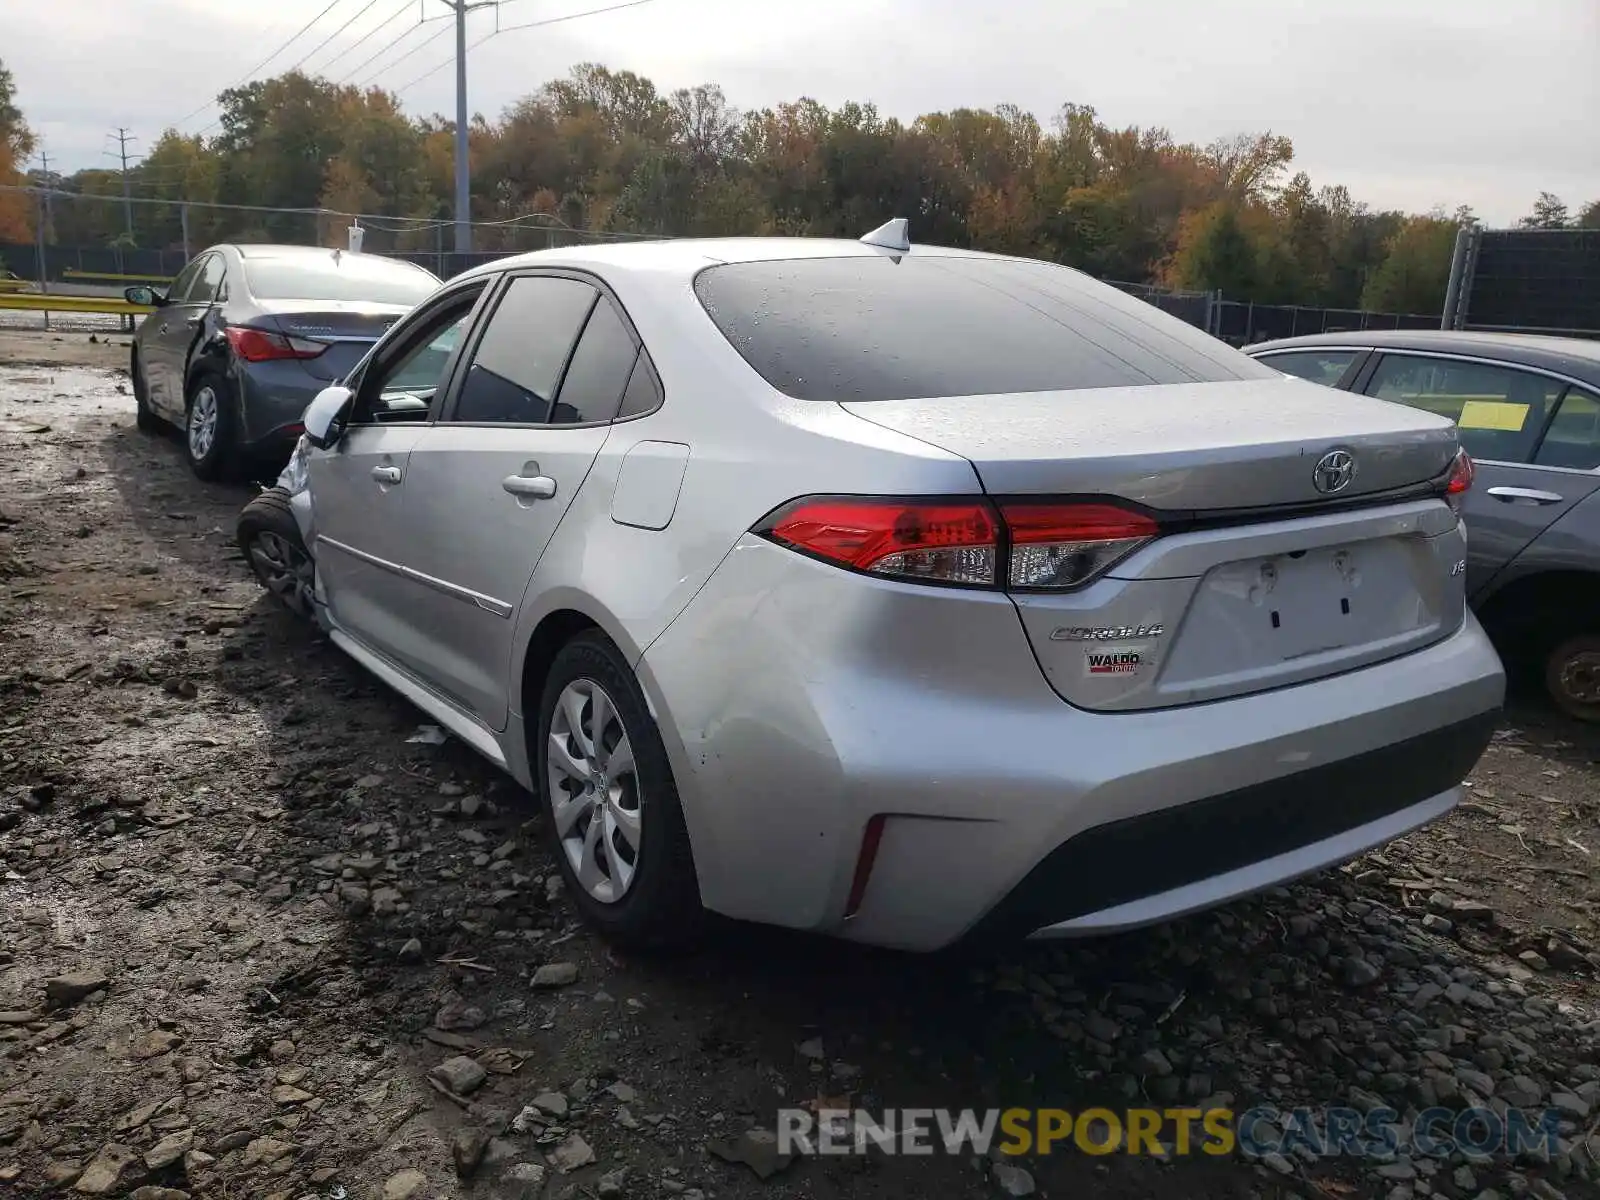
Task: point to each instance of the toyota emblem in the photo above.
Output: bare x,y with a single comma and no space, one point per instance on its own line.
1334,471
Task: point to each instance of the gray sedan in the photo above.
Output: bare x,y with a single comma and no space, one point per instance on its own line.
247,335
1528,411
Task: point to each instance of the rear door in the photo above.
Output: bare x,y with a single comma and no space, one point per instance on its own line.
1501,413
488,485
359,486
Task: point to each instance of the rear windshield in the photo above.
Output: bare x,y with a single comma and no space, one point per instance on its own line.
348,277
873,328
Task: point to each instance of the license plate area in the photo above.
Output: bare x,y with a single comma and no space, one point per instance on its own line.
1277,609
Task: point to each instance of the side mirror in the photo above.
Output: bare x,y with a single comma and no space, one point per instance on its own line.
147,297
325,416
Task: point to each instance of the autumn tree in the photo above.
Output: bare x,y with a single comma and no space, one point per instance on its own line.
1416,268
16,144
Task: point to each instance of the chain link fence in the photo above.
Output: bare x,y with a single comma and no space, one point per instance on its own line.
1528,280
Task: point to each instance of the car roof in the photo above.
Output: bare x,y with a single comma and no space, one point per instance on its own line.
1573,356
689,255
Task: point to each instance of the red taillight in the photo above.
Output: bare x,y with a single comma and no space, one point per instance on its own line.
1461,473
1023,545
261,345
1065,545
943,542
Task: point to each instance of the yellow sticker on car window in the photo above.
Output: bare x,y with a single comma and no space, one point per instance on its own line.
1492,414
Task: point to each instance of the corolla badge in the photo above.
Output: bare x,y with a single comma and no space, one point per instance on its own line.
1105,633
1333,472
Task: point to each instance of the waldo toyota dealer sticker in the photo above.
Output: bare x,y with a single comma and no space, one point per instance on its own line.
1112,662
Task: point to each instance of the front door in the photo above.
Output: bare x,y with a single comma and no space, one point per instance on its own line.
360,483
488,485
164,343
1501,413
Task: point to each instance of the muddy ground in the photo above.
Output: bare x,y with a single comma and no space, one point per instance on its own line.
243,917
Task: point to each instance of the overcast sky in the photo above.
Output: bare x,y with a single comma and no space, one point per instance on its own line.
1409,103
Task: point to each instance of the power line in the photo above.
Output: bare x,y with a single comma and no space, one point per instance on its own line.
379,53
384,24
298,34
360,12
422,45
593,12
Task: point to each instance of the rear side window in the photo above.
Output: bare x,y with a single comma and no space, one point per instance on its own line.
592,388
208,281
518,361
1498,411
1573,439
876,328
1326,367
644,394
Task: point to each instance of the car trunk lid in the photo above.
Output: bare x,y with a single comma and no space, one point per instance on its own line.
1261,576
348,329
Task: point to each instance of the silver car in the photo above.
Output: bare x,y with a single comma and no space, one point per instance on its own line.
246,335
905,594
1528,411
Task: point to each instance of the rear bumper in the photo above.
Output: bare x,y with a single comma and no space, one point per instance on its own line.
797,702
272,402
1190,856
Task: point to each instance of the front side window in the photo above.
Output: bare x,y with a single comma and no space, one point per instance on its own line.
185,280
1326,367
1498,411
874,327
517,363
403,387
1573,439
209,281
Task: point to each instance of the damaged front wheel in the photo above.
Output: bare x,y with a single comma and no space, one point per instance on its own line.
270,538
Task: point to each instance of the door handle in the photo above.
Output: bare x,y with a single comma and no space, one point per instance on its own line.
193,322
532,487
386,474
1511,495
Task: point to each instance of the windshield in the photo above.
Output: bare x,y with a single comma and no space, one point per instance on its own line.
357,277
873,327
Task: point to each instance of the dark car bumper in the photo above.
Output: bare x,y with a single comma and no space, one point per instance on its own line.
272,403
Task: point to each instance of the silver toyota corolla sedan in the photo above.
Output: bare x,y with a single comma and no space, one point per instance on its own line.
905,594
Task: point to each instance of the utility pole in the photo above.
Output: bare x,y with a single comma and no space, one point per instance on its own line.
463,187
49,186
123,138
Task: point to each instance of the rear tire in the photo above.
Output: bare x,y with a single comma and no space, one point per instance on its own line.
269,537
144,416
1572,677
611,810
209,426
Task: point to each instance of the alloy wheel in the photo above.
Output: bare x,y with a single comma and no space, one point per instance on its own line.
203,422
594,791
285,570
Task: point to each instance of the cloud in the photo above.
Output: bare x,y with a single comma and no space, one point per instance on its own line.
1435,102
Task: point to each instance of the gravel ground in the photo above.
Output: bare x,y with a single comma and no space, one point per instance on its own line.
255,942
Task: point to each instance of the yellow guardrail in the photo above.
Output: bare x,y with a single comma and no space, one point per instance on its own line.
36,302
74,273
15,285
127,314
